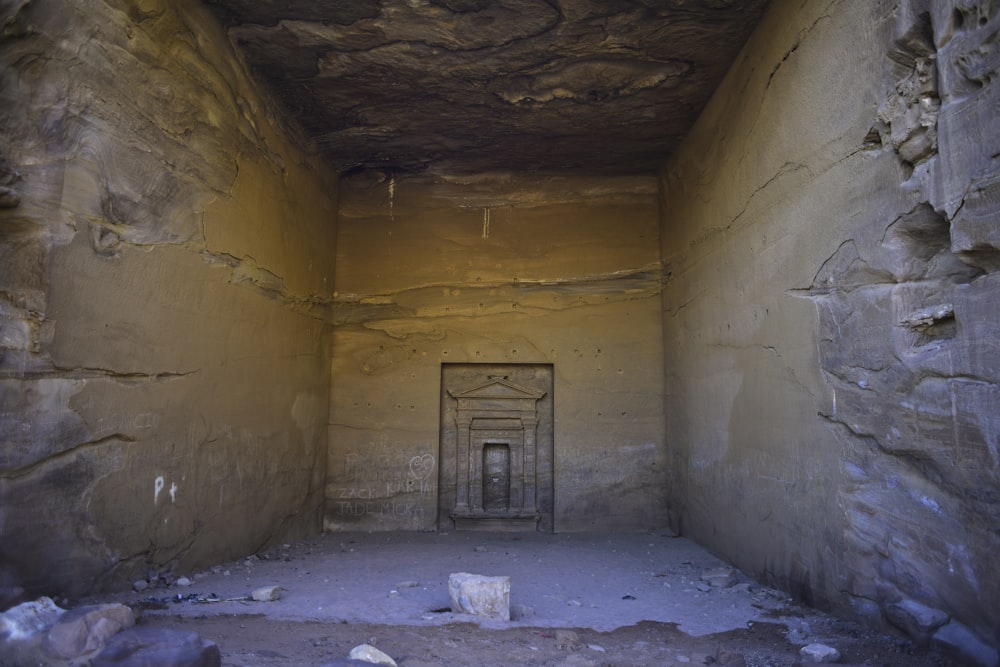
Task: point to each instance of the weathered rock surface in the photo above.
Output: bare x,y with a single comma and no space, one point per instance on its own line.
371,655
163,281
819,653
833,298
87,629
956,638
918,399
477,86
917,620
158,647
41,633
794,357
28,619
480,595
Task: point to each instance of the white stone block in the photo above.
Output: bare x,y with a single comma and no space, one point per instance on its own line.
480,595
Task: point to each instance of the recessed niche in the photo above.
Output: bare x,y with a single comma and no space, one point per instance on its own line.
496,464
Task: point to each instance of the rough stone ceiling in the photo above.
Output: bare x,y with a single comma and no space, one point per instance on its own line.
462,86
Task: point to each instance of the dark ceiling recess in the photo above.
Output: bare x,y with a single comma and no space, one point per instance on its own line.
462,86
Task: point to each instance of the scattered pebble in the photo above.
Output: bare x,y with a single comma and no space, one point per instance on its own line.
140,585
182,581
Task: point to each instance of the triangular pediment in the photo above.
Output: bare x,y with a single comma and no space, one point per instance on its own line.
497,388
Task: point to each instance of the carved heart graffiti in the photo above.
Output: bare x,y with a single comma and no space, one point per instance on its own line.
421,466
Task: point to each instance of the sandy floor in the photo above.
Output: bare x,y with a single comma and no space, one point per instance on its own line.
576,599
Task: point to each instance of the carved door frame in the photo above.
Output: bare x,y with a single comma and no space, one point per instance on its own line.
492,408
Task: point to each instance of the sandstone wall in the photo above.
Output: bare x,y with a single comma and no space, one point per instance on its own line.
497,270
833,372
166,257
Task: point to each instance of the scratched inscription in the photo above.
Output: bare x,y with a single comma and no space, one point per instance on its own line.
385,483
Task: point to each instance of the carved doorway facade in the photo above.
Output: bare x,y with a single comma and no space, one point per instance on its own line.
496,465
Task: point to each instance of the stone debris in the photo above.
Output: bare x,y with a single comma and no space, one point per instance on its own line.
158,647
86,629
721,577
819,653
266,593
480,595
915,619
182,581
140,585
956,638
41,633
370,654
28,618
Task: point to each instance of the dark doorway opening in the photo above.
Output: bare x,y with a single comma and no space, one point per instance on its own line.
496,477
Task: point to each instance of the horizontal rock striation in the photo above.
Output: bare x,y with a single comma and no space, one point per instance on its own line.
163,332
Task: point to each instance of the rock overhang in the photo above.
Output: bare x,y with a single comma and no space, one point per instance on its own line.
470,86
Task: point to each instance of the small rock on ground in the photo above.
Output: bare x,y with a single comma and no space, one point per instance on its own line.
480,595
266,593
29,618
819,653
370,654
722,577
